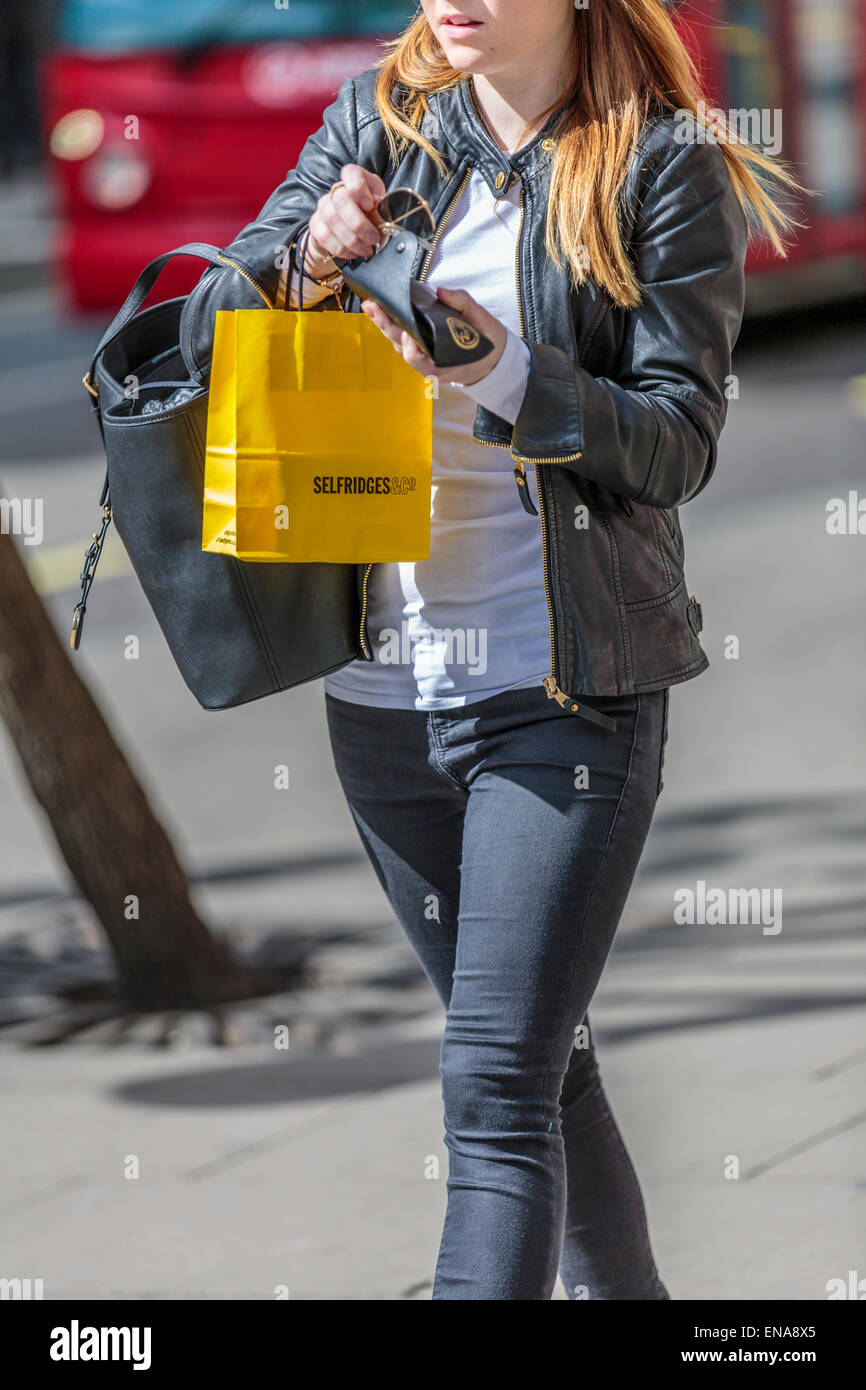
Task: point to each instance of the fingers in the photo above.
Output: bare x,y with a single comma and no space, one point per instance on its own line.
345,223
353,219
365,187
383,322
418,358
466,306
339,226
399,339
455,299
324,239
318,238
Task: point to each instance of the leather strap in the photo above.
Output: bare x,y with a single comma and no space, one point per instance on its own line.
142,288
594,716
284,288
130,307
284,284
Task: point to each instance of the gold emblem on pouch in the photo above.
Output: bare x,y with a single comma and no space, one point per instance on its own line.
464,335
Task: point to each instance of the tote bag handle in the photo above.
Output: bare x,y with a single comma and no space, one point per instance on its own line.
130,307
145,283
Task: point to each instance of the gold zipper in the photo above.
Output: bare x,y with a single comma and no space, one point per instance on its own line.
441,227
549,682
520,319
365,646
521,459
559,458
520,469
246,275
553,690
554,693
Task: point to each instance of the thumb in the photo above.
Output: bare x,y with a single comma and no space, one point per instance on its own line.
463,302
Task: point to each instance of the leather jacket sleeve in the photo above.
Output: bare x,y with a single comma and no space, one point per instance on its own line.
650,431
259,246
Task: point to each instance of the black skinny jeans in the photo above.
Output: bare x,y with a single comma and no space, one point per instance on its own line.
508,868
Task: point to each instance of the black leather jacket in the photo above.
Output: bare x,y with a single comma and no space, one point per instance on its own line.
622,410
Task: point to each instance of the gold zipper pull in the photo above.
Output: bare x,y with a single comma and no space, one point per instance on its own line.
554,692
569,703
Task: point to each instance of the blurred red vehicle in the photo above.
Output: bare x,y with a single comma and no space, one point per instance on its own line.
173,121
797,69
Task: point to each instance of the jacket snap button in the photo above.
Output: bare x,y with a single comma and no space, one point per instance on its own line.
401,246
548,144
500,180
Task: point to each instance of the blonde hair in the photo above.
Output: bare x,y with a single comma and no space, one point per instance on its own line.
629,62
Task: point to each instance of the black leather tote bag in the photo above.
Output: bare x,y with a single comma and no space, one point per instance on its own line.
237,630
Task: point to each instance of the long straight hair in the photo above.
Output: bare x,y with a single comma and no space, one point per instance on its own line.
628,63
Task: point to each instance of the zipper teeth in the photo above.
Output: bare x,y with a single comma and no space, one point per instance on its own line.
541,511
364,644
517,457
543,519
246,275
443,220
517,262
559,458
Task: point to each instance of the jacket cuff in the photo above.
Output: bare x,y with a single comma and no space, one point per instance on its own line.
503,389
550,420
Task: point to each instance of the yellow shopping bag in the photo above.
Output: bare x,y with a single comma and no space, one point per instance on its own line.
319,442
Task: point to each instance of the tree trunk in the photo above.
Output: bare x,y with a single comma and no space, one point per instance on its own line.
115,848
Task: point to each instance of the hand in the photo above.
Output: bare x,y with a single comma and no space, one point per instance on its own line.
467,308
345,222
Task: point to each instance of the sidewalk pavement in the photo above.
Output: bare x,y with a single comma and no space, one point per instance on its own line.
724,1049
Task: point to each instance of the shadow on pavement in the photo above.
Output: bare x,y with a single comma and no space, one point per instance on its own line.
302,1078
353,981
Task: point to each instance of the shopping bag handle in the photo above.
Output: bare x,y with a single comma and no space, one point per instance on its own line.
145,283
284,290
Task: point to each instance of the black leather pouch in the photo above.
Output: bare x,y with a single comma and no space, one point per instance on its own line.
387,278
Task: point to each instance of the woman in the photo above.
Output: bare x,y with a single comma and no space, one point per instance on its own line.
500,737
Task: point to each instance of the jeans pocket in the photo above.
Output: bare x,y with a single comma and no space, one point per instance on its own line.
663,741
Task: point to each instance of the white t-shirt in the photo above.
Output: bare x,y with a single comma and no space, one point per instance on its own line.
471,620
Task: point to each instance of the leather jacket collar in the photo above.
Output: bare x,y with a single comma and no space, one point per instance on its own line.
470,141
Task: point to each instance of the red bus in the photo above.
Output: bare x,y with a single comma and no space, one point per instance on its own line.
802,65
173,121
